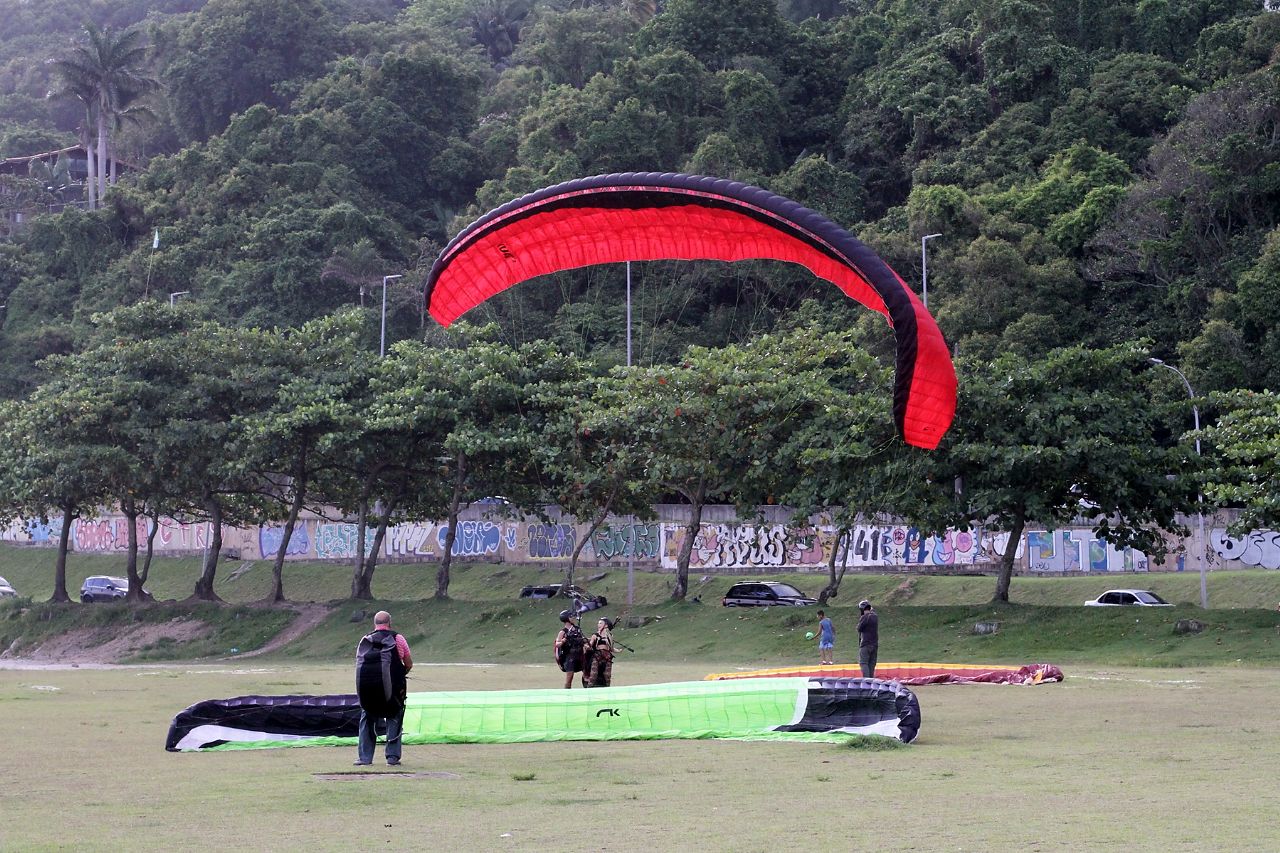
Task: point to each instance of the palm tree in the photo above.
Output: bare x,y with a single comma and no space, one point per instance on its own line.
106,75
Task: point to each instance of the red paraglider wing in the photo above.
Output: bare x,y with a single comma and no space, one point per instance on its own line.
651,216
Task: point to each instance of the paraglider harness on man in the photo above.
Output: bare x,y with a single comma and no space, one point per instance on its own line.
569,652
381,680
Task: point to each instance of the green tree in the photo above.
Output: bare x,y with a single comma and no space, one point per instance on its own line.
708,426
717,32
843,460
470,399
234,54
1070,434
175,385
51,459
105,74
284,443
588,458
573,46
1245,442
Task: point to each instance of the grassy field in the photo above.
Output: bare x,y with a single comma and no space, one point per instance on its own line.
1111,759
1156,741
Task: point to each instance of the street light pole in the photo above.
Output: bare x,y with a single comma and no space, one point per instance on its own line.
924,266
631,519
382,345
1195,414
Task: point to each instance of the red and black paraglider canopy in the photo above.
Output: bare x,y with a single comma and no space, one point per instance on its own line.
647,216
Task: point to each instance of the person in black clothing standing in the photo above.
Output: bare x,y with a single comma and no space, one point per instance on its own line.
383,661
569,646
868,638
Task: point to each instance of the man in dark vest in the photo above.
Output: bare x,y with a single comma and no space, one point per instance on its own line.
382,662
868,638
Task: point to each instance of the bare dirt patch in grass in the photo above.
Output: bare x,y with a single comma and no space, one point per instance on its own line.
309,616
110,644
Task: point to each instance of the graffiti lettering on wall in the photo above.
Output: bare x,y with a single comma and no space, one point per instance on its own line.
182,536
639,541
1063,550
109,534
1255,548
550,541
270,537
112,534
727,546
336,540
410,540
731,546
28,530
474,539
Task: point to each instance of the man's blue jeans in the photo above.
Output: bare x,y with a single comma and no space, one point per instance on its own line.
369,735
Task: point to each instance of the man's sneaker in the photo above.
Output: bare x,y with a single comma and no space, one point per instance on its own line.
392,762
361,763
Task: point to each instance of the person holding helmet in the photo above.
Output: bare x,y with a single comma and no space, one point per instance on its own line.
569,646
868,638
597,669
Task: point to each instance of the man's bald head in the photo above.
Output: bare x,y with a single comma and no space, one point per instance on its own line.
382,619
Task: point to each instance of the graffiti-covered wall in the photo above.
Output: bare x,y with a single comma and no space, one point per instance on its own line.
750,547
1255,549
722,544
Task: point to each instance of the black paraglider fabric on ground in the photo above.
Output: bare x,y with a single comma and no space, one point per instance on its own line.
846,702
285,716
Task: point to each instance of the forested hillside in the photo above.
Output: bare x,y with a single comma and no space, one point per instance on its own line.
1097,176
1098,171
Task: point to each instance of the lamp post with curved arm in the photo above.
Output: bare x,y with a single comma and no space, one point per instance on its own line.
1195,414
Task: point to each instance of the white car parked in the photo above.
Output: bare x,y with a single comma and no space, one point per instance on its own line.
1125,597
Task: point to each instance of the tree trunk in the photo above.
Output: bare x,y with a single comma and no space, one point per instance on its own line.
151,547
295,509
1006,559
102,153
686,547
204,586
91,170
840,546
130,510
60,566
371,562
358,588
595,525
442,574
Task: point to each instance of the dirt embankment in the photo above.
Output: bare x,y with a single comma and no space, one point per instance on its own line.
110,645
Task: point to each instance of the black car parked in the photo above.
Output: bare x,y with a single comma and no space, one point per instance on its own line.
766,594
583,600
103,588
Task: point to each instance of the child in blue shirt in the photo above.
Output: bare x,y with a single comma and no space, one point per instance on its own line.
826,640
